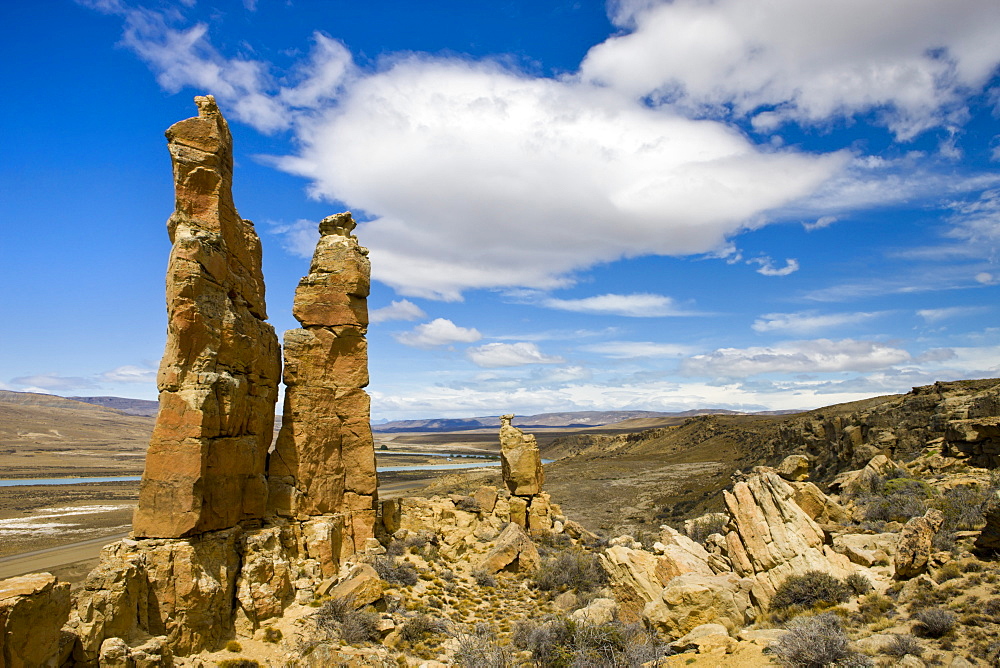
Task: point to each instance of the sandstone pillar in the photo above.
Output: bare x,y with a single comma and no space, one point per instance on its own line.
520,460
205,468
324,459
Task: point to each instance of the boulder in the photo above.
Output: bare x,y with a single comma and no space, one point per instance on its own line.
794,468
705,639
913,551
817,505
598,611
362,586
512,550
218,379
693,599
33,609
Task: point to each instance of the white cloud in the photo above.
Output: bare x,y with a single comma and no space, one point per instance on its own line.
632,349
438,332
821,222
129,374
493,355
535,170
636,305
986,278
402,309
913,61
298,238
808,322
767,267
933,315
815,356
50,382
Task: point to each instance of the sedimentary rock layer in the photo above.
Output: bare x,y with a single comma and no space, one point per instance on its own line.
219,374
324,459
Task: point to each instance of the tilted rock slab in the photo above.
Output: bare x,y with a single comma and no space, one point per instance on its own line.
913,551
773,537
218,380
520,460
324,458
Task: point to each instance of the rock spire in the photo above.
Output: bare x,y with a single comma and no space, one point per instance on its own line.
520,460
324,459
205,468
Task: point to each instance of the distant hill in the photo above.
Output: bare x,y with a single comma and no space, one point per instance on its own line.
128,406
569,419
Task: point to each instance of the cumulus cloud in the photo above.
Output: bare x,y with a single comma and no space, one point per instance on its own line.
808,322
129,374
636,305
493,355
402,309
438,332
767,267
814,356
913,61
632,349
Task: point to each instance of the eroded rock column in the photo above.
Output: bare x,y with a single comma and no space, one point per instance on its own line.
324,459
523,475
205,468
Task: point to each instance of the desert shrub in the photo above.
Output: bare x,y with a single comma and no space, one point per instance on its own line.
467,503
238,663
949,571
811,588
903,644
570,569
233,646
447,575
962,507
565,643
271,634
874,607
703,527
894,500
992,607
934,622
858,584
484,578
338,618
395,572
420,626
816,642
480,649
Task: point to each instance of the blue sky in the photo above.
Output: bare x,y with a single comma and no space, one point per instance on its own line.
569,205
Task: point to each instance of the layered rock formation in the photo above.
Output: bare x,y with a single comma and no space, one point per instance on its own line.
324,458
218,380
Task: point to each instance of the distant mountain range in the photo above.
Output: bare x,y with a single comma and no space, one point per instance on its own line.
143,407
569,419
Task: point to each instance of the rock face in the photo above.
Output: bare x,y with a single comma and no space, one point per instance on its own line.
32,611
520,460
324,458
218,380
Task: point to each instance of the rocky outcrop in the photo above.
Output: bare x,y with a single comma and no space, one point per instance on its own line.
218,380
520,460
693,599
324,458
913,551
989,537
772,537
32,611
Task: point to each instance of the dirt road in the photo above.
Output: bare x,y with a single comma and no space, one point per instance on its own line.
62,558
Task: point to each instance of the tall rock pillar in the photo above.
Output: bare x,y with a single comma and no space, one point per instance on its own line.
324,459
218,380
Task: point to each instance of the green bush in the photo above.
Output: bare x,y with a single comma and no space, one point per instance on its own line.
810,589
817,642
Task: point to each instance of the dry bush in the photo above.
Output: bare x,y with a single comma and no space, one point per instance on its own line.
809,589
570,569
484,578
874,607
858,583
903,644
949,571
934,622
417,628
238,663
703,527
395,572
480,649
817,642
362,626
338,618
894,500
564,643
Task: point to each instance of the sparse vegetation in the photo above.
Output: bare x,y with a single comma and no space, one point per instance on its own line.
233,646
560,642
703,527
858,584
418,627
934,622
338,618
271,634
484,578
903,644
394,571
573,569
481,649
817,642
814,588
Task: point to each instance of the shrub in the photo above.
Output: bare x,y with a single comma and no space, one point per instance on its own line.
360,626
894,500
238,663
571,569
561,642
858,584
816,642
811,588
400,573
934,622
233,646
416,628
949,571
271,634
484,578
703,527
875,606
480,649
903,644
